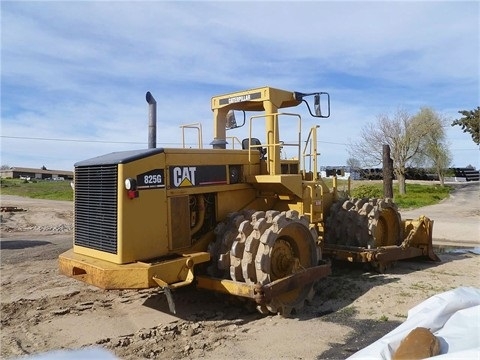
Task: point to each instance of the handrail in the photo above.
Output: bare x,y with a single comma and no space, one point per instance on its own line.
197,126
234,139
312,153
272,147
310,189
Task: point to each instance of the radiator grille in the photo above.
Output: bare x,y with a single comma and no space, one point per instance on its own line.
96,207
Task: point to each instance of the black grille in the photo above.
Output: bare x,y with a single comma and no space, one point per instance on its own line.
96,207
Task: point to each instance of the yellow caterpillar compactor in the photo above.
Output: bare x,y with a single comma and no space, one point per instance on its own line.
243,221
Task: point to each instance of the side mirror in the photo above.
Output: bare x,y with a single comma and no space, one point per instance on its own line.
318,109
231,122
320,99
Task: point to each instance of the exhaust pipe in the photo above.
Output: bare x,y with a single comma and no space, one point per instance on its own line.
152,120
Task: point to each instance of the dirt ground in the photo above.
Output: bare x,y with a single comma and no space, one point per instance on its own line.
43,311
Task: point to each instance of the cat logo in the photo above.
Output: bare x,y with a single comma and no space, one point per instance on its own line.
184,176
201,175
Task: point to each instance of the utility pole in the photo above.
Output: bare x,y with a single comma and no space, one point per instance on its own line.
387,173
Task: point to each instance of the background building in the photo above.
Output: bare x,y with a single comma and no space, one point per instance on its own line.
38,174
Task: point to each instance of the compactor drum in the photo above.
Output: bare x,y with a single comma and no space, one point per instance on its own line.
368,223
260,247
243,221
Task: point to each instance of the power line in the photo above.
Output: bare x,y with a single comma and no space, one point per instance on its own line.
74,140
144,143
110,142
333,143
69,140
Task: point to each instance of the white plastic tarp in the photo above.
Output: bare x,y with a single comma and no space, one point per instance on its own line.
93,353
453,317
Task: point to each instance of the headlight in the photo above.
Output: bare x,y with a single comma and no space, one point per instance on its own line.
130,184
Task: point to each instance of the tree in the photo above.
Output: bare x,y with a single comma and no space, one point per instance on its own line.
402,132
470,123
434,148
5,167
354,163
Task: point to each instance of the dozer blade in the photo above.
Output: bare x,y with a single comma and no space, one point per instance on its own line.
418,233
417,242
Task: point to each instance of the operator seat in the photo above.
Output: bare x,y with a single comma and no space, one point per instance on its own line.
254,142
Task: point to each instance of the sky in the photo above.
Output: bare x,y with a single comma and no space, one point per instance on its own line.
74,74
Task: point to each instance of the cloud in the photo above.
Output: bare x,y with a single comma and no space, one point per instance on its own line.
80,70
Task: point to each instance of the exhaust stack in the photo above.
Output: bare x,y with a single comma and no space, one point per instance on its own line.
152,120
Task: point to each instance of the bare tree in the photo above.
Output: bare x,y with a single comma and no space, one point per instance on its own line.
354,163
402,132
434,150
